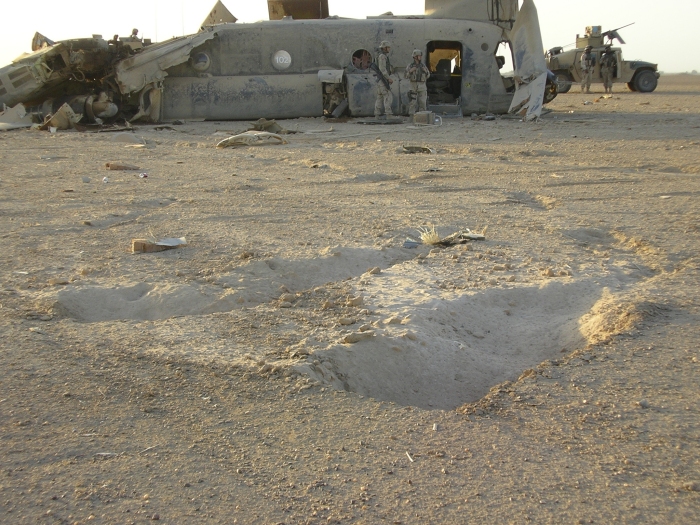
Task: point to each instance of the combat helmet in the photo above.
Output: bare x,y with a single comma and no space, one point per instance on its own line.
417,53
588,48
384,44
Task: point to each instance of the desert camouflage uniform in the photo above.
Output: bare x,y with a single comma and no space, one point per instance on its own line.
608,63
417,73
587,66
384,96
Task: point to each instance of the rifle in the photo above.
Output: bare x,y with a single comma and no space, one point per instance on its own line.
613,34
375,68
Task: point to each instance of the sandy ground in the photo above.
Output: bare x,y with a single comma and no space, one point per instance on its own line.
295,363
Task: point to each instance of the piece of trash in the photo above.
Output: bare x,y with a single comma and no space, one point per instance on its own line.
430,170
418,149
588,103
105,180
150,246
431,237
114,166
143,175
665,197
489,118
411,243
251,138
53,130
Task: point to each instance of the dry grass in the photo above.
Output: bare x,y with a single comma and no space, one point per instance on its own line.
429,235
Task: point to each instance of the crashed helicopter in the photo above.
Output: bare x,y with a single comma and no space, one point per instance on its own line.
300,63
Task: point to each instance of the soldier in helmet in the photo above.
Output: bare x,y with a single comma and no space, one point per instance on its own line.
384,81
587,67
417,72
608,63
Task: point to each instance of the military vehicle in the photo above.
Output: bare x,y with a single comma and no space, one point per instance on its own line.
566,65
301,63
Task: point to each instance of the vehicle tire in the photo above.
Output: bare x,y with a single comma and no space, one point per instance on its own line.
645,81
564,82
631,87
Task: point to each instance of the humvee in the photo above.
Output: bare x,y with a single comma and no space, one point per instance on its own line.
566,65
300,63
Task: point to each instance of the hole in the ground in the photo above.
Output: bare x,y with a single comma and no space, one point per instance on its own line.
452,352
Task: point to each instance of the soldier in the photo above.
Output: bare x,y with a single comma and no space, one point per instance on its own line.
417,72
587,66
608,63
383,73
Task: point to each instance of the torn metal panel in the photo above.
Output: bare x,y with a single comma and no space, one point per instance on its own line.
219,15
40,41
15,118
529,63
135,73
297,9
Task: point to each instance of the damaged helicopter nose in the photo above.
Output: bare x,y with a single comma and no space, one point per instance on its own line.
92,109
102,107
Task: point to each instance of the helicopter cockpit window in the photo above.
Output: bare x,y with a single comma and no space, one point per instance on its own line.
361,59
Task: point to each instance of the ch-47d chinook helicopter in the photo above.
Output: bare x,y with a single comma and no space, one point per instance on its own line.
566,65
300,63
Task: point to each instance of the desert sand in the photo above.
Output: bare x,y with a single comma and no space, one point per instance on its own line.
296,362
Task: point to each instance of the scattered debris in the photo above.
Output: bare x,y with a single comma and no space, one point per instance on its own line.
270,126
418,149
150,246
587,103
121,166
251,138
64,118
431,237
15,118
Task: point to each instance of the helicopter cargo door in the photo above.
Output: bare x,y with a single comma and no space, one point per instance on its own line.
444,60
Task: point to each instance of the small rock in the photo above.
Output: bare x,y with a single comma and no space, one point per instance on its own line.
287,297
346,321
355,301
692,486
435,251
393,320
374,271
511,279
499,268
643,403
365,327
548,273
356,337
285,304
155,517
328,305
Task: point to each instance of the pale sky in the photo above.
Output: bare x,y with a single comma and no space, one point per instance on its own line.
664,32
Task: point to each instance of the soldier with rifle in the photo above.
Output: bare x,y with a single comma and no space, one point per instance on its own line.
383,70
608,63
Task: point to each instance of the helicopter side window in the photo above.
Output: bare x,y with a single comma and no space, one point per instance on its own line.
361,59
